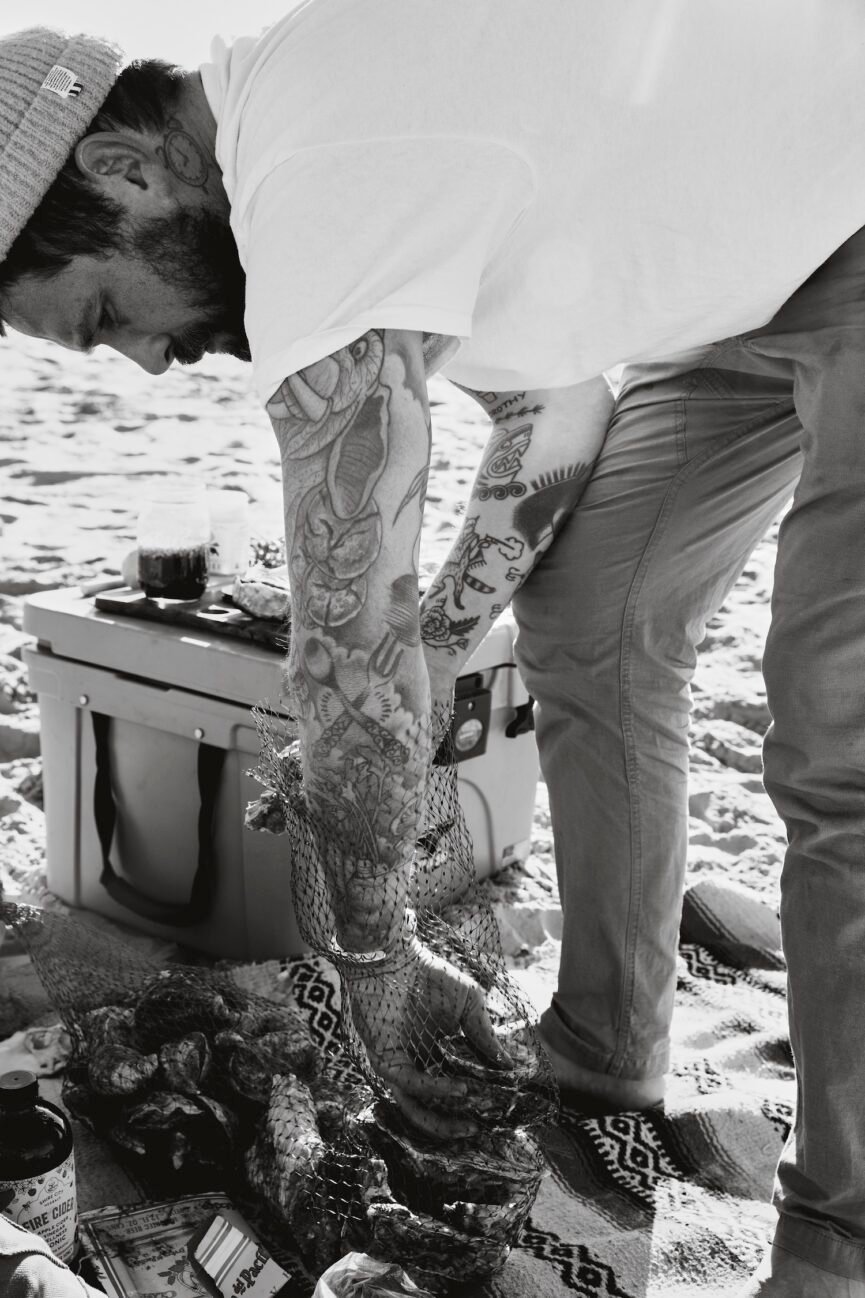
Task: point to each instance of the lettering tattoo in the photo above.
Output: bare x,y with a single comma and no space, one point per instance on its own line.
512,400
182,155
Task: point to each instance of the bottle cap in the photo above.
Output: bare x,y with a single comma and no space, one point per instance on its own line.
18,1089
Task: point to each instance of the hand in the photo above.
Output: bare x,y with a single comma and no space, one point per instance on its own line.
400,1007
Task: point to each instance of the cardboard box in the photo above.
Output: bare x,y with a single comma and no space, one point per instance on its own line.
168,707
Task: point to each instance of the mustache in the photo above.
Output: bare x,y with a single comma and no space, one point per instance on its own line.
190,345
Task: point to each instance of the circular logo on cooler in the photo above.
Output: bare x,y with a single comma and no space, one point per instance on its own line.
468,735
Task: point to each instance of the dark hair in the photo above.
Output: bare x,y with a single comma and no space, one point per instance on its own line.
73,219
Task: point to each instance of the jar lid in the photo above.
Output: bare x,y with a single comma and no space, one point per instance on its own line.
18,1088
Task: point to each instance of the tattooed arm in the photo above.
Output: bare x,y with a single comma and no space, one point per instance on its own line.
538,459
353,432
354,437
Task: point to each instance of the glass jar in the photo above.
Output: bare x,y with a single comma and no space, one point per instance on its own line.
173,541
229,532
37,1164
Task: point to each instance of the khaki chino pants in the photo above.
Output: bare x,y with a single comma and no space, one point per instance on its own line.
701,456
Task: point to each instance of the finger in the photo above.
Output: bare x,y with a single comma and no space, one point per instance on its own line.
479,1030
432,1124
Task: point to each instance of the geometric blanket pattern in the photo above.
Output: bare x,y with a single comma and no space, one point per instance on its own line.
663,1204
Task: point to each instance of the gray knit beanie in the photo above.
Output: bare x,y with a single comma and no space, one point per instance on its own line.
51,87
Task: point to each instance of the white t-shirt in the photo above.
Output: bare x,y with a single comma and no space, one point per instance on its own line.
562,184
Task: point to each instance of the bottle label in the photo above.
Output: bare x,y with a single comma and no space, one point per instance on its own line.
47,1205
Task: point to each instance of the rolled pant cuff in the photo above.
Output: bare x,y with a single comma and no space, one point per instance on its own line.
556,1033
822,1248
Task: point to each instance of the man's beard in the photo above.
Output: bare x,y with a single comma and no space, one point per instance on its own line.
195,253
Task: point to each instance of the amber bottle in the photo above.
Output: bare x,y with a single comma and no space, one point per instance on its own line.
37,1164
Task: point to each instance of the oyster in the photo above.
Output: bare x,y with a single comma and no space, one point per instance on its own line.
251,1065
483,1190
178,1129
179,1001
434,1254
286,1050
293,1130
522,1094
247,1073
149,1127
109,1023
261,1016
335,1098
184,1064
496,1167
263,592
120,1070
502,1221
267,814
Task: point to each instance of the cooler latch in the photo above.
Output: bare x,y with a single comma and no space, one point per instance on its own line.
523,720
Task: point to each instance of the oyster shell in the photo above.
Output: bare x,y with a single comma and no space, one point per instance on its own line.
267,814
184,1064
261,1016
251,1065
180,1001
178,1129
335,1098
482,1190
502,1221
120,1070
286,1050
433,1253
497,1166
109,1023
297,1143
521,1095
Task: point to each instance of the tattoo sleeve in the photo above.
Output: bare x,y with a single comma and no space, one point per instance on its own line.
354,438
539,457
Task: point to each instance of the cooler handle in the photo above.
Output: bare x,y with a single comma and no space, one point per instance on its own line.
201,897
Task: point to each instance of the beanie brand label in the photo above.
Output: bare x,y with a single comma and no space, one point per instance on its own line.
62,82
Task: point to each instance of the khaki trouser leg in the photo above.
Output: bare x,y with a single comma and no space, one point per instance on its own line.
695,467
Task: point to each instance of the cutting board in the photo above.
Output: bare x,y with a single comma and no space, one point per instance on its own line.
215,613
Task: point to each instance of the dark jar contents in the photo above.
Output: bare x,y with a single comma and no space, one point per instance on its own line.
37,1164
173,574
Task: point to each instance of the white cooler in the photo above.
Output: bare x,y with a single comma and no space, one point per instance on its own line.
147,741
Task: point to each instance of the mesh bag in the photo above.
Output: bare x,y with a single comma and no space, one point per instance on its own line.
201,1081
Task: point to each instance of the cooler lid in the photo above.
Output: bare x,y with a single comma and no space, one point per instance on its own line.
68,624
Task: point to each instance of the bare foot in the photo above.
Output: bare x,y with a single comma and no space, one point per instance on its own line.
784,1275
597,1093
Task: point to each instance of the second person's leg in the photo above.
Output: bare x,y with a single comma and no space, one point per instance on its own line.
695,467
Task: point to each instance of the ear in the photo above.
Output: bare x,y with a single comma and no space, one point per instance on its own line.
115,160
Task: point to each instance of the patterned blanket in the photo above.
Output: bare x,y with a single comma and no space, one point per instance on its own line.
674,1203
668,1203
